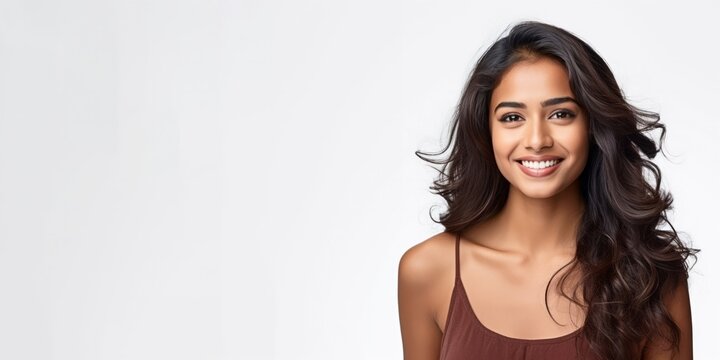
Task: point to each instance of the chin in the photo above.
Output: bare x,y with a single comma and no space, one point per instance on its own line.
537,194
537,191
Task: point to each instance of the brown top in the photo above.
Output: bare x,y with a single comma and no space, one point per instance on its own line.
466,338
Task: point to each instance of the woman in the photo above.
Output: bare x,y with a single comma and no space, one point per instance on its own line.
552,247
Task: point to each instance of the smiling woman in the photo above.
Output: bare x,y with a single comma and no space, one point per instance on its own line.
545,177
541,130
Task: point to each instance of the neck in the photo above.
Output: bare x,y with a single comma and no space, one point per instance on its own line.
535,228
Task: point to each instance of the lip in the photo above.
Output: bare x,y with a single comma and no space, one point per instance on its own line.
539,158
539,172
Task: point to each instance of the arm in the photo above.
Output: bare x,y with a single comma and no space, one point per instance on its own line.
678,305
420,334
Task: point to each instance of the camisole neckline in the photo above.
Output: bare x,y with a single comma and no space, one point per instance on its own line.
459,290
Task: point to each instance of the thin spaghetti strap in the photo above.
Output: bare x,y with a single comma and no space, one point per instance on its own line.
457,257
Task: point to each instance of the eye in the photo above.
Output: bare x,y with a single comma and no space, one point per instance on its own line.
510,118
565,114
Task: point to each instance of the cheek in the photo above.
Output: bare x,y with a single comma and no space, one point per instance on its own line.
503,146
578,144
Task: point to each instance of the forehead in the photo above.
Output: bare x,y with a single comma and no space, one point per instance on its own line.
532,81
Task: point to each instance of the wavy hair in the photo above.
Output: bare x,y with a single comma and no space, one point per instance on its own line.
626,262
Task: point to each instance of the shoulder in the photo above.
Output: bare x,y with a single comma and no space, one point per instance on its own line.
423,280
423,277
677,304
425,262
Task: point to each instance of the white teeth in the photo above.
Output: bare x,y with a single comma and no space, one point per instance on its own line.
539,164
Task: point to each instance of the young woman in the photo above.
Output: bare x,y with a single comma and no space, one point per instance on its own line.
552,246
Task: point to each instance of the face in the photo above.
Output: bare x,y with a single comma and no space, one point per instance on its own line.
533,116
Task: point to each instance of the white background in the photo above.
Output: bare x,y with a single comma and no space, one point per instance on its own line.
236,180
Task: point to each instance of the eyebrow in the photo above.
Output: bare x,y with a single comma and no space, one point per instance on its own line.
546,103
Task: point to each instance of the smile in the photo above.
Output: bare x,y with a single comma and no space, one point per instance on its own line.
539,164
539,168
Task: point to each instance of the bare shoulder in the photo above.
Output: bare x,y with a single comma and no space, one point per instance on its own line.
677,304
423,263
422,271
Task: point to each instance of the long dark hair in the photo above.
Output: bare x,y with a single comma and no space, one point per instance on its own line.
627,264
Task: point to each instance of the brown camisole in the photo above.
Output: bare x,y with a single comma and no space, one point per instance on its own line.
466,338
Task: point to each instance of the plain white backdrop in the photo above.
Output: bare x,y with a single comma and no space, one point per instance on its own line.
237,179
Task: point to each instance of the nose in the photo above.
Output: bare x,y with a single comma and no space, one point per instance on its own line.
537,135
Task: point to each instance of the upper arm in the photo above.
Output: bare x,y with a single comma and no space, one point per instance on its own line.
678,305
420,334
